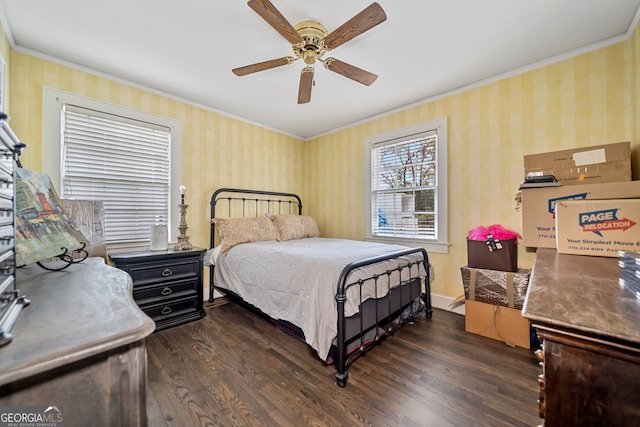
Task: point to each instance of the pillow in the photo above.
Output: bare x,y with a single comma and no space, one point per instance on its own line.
233,231
289,227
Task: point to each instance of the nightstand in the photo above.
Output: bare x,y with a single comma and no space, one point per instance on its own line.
167,285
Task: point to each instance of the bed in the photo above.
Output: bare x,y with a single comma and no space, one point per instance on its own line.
340,296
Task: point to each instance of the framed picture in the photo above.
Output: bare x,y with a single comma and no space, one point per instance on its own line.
43,228
88,216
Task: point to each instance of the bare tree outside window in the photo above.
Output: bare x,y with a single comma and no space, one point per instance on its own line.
404,187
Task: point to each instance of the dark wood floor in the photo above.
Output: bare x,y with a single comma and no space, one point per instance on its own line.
233,368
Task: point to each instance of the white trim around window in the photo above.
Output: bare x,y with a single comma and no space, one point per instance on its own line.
53,102
438,243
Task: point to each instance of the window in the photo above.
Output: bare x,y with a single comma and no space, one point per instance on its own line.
406,179
122,157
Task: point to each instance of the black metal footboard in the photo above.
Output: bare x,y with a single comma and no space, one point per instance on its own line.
408,273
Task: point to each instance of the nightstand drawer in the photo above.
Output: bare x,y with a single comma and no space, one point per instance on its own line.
148,294
177,307
163,272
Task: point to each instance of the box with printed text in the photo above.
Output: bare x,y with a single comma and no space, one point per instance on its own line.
598,227
538,205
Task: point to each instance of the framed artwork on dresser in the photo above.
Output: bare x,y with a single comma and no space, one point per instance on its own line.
43,228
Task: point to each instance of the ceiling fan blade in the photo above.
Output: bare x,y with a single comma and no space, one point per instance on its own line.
368,18
261,66
269,13
350,71
306,83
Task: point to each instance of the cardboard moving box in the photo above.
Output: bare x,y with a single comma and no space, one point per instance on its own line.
496,322
538,205
598,227
585,165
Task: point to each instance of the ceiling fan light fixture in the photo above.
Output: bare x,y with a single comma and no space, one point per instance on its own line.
310,40
313,33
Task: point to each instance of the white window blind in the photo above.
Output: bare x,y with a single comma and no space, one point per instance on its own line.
404,187
123,162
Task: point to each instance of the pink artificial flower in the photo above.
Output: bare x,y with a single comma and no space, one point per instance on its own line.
498,232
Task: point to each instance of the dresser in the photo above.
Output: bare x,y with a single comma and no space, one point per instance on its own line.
167,285
590,328
79,347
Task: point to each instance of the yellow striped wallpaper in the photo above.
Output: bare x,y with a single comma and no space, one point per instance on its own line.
590,99
217,151
587,100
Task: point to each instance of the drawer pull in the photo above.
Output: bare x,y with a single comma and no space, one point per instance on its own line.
166,272
166,310
541,396
166,291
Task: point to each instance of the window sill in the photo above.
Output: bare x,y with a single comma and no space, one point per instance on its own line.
430,246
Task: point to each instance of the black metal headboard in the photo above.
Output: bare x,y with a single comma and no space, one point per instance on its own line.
251,203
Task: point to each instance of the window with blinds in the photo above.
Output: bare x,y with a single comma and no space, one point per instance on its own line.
405,182
404,187
123,162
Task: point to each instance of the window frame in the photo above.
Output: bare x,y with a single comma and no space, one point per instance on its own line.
441,243
53,102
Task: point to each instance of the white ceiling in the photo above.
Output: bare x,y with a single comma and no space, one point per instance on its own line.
425,48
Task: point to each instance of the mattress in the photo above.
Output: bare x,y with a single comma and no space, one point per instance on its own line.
296,280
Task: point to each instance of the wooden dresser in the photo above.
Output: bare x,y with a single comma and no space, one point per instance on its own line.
79,346
590,327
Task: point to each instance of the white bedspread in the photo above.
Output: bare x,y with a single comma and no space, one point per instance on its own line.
297,280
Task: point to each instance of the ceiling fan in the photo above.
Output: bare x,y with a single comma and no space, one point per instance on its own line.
310,40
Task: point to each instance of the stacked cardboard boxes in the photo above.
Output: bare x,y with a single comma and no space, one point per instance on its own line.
589,214
494,291
539,207
595,211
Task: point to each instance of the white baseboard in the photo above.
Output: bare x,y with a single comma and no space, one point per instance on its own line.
444,303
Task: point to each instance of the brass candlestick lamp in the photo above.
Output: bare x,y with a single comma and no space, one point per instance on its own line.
183,240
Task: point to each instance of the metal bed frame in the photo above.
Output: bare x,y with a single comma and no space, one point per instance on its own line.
383,313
